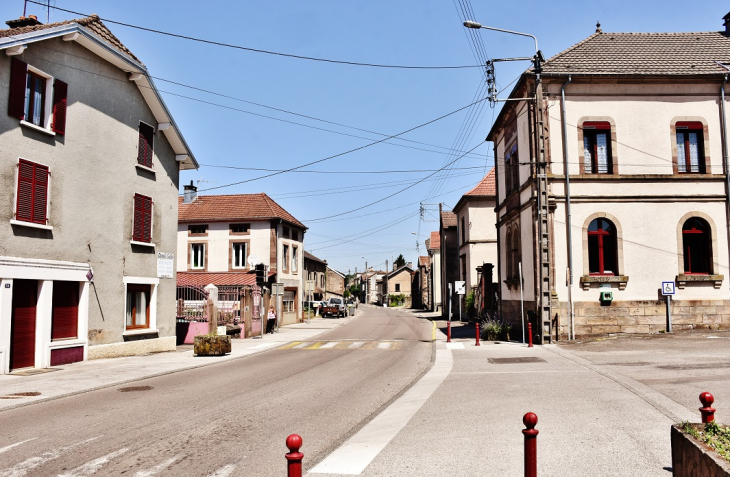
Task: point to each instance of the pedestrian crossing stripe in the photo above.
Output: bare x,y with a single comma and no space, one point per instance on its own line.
325,345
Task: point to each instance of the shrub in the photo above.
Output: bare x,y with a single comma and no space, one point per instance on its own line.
470,305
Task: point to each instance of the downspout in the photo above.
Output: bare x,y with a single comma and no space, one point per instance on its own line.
568,221
725,153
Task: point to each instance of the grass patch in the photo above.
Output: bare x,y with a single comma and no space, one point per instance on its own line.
714,435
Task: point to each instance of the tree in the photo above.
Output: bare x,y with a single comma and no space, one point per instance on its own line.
400,261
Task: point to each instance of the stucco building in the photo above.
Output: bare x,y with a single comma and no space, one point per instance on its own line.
90,164
433,247
637,183
335,284
449,252
315,269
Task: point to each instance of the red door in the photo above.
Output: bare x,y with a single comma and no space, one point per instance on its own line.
22,324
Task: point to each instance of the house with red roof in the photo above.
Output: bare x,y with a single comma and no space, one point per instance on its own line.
221,238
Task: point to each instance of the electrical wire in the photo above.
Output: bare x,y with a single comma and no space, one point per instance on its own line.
403,171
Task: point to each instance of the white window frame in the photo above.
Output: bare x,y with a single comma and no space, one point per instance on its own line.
244,256
153,282
192,256
23,223
48,100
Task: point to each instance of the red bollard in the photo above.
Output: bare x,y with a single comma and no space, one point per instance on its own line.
529,335
477,335
294,457
708,413
448,332
530,421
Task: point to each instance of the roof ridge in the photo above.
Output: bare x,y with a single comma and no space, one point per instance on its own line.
268,201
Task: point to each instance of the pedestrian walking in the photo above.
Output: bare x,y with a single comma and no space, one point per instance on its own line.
271,320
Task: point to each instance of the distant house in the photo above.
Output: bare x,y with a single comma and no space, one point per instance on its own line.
90,166
449,242
315,269
397,282
220,237
421,288
368,286
433,247
335,284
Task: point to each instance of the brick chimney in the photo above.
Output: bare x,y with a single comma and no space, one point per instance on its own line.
30,20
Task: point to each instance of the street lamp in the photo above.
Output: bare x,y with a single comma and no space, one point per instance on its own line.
477,26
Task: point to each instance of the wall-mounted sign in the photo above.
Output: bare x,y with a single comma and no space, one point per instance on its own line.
164,265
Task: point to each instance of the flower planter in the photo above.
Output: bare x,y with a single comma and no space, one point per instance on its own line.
209,345
691,457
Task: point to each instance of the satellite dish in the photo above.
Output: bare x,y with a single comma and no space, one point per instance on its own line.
253,260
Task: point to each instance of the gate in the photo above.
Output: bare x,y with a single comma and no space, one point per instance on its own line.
230,300
192,313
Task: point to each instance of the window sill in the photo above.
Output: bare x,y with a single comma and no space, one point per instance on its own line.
142,244
587,280
145,168
31,224
66,343
140,331
37,128
682,280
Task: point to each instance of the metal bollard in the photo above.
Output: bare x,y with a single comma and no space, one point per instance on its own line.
529,335
294,457
477,335
448,332
708,413
530,421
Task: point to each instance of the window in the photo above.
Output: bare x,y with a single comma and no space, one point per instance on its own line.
197,256
463,267
511,168
397,287
602,248
197,229
142,231
597,157
36,99
239,228
321,280
65,314
32,196
294,234
697,247
238,255
463,231
286,232
294,259
690,147
288,302
144,151
138,306
285,257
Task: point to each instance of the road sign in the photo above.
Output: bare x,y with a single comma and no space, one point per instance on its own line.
310,286
667,288
460,288
277,289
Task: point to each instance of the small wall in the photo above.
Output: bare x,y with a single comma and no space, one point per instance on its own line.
132,348
692,458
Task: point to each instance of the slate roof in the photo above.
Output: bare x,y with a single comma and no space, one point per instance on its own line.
228,208
309,256
92,22
487,186
448,219
435,241
644,54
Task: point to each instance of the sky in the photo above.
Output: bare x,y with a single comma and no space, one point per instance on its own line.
247,114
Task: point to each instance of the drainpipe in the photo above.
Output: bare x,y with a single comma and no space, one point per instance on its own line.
568,222
725,153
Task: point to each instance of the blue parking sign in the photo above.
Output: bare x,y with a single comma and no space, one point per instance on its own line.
667,288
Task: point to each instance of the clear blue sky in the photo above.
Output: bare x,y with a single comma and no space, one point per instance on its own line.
379,100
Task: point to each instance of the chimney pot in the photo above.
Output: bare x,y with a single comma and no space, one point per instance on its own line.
190,193
31,20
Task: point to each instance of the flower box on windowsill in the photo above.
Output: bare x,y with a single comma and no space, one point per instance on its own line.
587,280
682,280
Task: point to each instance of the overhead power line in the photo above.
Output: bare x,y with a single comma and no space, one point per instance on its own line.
402,171
258,50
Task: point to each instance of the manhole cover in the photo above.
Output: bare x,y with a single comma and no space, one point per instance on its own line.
526,359
134,389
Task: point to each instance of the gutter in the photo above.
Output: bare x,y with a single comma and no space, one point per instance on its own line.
568,221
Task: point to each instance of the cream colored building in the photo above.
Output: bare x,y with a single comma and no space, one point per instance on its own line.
433,246
646,180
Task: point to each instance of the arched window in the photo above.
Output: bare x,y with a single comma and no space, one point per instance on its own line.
697,247
602,248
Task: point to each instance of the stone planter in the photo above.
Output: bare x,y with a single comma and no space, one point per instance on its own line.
207,345
691,457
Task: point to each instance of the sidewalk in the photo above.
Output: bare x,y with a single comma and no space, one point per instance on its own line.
590,422
76,378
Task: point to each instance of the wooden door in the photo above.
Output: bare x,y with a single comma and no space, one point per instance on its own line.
22,324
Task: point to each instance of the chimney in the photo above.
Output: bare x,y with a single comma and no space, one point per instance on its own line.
30,20
726,24
409,265
191,193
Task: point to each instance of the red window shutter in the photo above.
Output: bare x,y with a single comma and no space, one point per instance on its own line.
144,151
688,125
597,125
60,92
65,315
32,201
18,73
142,218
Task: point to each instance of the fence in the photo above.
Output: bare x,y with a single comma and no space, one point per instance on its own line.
191,303
230,304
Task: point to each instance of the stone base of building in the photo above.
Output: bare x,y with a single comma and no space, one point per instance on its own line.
132,348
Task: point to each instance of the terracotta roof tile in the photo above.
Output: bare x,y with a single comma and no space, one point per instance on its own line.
228,208
487,186
203,279
435,241
91,22
424,261
309,256
448,219
644,54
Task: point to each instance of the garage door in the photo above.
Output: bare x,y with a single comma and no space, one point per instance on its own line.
22,324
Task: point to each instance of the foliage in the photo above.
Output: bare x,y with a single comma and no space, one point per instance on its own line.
493,330
400,261
471,309
354,290
346,294
713,435
397,300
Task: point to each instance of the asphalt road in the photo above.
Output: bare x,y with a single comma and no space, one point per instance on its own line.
227,419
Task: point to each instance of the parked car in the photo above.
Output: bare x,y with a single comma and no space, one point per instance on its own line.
333,307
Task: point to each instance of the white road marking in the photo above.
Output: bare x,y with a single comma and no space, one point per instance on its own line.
7,448
454,345
263,345
158,468
357,453
356,344
223,471
331,344
92,466
301,345
32,462
384,345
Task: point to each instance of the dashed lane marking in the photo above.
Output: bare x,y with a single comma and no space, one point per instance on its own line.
331,344
7,448
385,345
93,466
158,468
31,463
356,344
